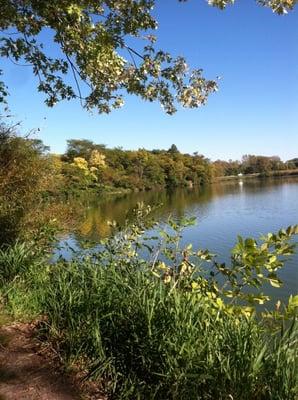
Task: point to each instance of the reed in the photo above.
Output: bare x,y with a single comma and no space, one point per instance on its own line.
145,337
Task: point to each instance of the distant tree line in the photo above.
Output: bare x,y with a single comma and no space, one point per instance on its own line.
27,164
87,164
85,161
251,164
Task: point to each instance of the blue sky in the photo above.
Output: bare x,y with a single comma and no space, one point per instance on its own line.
255,111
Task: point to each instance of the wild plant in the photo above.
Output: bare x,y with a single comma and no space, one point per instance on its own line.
153,320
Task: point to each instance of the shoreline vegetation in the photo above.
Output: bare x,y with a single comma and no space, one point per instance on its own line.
172,325
90,167
111,191
269,174
121,171
163,327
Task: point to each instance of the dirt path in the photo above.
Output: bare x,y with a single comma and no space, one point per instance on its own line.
26,374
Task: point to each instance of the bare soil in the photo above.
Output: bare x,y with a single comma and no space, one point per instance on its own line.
27,373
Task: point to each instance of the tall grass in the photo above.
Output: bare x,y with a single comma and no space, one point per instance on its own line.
146,341
16,260
147,338
20,265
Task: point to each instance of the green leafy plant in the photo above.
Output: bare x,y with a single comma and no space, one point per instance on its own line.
151,320
253,263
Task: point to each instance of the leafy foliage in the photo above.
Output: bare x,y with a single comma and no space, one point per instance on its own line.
136,170
94,38
278,6
28,174
23,176
253,264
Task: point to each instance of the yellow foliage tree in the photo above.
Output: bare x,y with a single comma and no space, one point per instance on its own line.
97,159
81,163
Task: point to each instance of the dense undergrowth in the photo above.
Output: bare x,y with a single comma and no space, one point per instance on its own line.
162,326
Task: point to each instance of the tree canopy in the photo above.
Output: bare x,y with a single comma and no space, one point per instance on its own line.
94,38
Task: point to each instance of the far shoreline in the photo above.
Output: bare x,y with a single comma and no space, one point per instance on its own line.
269,174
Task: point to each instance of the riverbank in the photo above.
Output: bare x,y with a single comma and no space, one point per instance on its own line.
283,173
149,330
112,191
109,190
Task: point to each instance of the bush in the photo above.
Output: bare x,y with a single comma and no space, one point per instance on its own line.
25,173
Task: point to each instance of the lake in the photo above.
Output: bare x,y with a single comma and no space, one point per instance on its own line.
223,211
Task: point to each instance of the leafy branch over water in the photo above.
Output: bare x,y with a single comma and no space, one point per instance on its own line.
253,262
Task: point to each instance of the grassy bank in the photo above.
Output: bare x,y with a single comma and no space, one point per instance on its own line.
161,330
283,173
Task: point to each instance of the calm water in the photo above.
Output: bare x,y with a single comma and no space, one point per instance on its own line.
249,208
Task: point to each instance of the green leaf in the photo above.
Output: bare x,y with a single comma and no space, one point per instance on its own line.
275,283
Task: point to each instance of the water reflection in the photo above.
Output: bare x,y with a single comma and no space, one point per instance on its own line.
96,217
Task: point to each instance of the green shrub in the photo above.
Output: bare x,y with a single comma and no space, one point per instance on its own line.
26,173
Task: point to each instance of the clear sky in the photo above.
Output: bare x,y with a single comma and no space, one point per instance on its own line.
255,111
